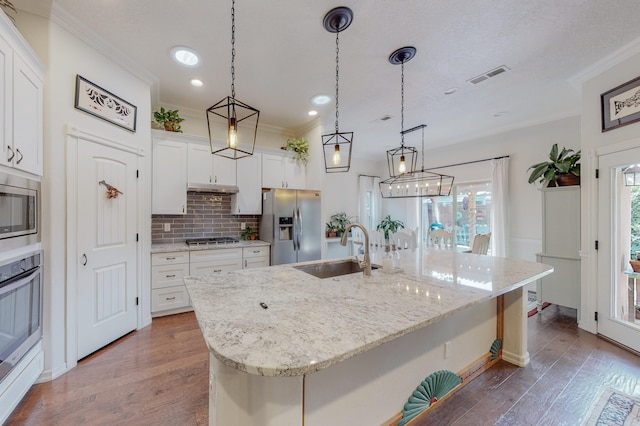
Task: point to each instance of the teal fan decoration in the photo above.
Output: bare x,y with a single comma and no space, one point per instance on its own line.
432,388
495,348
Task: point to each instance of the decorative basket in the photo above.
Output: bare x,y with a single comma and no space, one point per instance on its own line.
635,264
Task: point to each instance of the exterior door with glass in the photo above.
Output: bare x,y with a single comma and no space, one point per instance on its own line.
619,220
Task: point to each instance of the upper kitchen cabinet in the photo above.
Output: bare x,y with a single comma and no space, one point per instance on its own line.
169,192
21,94
249,177
281,171
206,168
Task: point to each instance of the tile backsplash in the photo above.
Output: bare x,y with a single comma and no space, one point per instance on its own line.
208,215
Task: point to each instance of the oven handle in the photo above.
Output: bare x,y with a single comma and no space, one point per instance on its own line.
15,283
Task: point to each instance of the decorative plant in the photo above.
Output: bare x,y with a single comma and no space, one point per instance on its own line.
169,119
248,234
340,222
389,225
560,163
331,230
300,147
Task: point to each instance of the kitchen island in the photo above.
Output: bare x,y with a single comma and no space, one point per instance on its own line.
288,348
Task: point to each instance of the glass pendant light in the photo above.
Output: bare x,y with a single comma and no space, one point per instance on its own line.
403,159
232,119
337,159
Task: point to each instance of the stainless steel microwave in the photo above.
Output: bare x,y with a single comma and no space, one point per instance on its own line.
19,211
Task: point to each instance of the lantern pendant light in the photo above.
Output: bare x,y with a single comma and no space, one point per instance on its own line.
231,118
337,146
402,160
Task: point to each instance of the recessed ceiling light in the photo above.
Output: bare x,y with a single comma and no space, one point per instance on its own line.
312,113
196,82
321,99
451,91
185,56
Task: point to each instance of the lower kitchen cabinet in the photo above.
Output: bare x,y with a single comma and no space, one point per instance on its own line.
255,257
168,293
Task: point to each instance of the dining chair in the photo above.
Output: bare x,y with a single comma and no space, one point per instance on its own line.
404,239
440,238
357,240
376,239
481,243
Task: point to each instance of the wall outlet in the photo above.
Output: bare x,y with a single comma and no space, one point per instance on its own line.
447,350
243,225
167,227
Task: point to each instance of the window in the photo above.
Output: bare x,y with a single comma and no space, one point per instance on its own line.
466,213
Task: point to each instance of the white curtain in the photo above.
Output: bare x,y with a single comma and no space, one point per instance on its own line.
369,187
499,218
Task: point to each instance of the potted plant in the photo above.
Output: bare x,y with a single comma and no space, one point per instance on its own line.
562,169
248,234
340,222
300,147
331,230
389,225
169,119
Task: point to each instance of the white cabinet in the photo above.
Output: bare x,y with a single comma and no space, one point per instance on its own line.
206,168
249,177
255,257
280,171
21,95
168,293
169,192
560,246
207,262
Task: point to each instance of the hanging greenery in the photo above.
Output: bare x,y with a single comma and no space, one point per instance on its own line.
300,147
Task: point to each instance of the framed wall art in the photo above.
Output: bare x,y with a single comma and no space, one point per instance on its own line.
103,104
621,105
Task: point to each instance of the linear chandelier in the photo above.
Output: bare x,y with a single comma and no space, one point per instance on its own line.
237,118
420,183
335,145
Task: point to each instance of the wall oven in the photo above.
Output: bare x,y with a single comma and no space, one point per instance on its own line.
20,308
19,212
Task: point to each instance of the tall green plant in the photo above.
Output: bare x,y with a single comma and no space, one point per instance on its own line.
563,162
389,225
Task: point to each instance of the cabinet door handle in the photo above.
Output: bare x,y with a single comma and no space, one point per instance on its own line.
170,298
215,179
21,156
256,251
84,260
182,209
245,263
13,154
171,276
217,270
171,258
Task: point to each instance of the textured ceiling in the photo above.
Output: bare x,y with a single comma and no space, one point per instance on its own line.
284,57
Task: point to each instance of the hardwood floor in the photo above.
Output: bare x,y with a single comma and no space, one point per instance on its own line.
159,376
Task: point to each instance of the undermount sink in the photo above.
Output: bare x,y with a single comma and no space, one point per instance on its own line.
332,269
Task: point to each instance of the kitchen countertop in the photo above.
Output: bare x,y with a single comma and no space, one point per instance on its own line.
168,247
310,323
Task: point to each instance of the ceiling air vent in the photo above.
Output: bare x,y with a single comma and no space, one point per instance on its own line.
487,75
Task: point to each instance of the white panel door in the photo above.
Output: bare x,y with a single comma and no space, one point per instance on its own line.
616,305
106,246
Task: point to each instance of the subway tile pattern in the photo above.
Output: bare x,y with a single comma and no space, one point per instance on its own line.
208,215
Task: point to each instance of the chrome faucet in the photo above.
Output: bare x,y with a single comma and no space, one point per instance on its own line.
366,262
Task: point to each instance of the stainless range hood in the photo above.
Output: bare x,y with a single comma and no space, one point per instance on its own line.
212,188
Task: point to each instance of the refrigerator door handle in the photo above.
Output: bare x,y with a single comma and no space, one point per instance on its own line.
299,233
294,231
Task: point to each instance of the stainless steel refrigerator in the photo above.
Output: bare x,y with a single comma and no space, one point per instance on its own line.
292,223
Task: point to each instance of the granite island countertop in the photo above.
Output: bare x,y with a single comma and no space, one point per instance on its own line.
310,323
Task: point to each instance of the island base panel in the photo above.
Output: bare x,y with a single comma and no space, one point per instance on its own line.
373,386
241,399
514,344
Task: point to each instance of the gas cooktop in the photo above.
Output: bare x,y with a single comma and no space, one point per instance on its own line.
211,240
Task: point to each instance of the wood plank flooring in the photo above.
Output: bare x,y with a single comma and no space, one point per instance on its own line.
159,376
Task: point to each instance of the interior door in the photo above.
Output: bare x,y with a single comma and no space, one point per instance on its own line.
107,260
616,304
